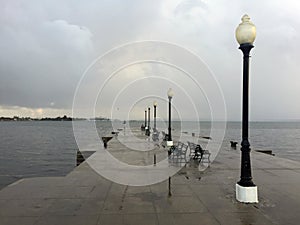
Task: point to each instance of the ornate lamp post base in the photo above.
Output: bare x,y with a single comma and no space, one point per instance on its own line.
246,194
169,143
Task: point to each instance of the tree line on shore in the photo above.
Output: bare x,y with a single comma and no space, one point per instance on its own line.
59,118
17,118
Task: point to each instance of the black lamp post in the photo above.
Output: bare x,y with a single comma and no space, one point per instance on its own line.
148,130
246,190
143,125
146,121
155,134
170,95
154,105
145,118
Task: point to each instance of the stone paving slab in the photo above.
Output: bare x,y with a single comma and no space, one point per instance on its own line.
198,197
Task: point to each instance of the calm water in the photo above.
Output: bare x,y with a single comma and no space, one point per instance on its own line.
48,148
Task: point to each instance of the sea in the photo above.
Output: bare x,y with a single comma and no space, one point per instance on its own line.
48,148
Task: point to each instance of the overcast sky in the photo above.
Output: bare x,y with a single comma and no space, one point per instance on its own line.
46,46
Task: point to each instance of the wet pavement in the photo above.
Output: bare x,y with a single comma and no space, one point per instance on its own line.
197,197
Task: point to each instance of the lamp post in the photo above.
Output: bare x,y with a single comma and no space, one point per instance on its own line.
145,121
148,130
170,95
246,190
154,105
155,134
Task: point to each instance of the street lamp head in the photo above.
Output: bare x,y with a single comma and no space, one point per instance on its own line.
170,93
155,103
245,33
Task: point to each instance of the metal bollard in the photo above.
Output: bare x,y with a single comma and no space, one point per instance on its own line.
170,193
105,140
154,158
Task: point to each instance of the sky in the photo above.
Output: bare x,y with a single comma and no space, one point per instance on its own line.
49,48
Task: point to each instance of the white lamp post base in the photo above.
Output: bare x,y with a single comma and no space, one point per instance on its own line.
246,194
169,143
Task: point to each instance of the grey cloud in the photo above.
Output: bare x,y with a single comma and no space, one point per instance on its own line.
42,63
47,45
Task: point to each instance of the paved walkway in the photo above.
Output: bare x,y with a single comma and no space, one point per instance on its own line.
84,197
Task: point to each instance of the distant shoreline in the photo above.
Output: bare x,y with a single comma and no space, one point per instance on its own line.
64,118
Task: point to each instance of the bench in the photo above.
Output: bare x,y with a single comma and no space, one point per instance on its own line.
155,136
165,136
178,152
197,152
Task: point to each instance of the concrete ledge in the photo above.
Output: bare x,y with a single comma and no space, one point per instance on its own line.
246,194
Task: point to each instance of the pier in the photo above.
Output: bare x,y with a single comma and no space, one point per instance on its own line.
194,197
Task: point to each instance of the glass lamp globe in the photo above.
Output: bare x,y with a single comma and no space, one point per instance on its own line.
246,31
170,93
